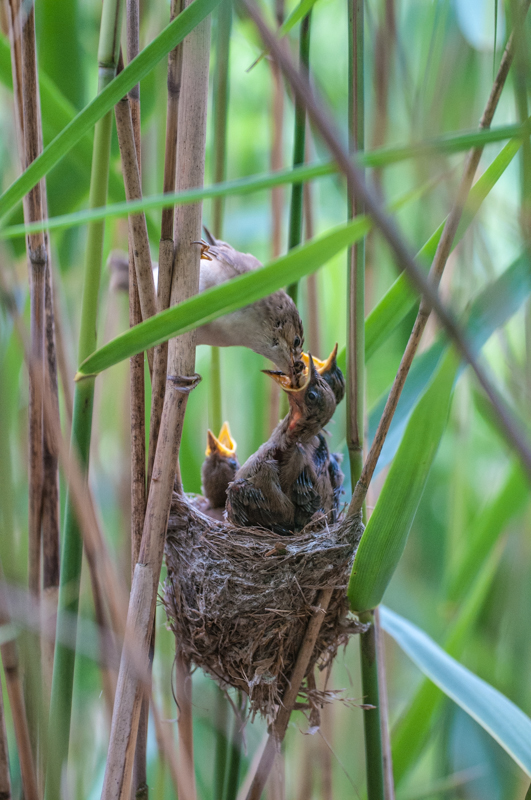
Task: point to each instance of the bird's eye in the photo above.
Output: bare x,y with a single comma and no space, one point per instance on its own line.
297,342
311,395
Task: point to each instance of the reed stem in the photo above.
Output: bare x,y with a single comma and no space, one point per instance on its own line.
72,549
180,381
299,146
235,752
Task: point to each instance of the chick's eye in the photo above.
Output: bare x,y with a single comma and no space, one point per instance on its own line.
312,395
297,342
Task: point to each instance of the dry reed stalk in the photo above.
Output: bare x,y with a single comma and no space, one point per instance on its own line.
280,725
436,270
50,476
137,399
314,325
321,120
10,661
277,193
22,36
180,381
136,363
166,244
5,782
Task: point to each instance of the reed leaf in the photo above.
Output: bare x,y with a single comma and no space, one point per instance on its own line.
381,157
385,537
500,717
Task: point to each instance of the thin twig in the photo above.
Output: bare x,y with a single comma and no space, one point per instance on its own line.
321,120
280,725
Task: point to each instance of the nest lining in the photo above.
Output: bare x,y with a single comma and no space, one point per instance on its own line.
239,599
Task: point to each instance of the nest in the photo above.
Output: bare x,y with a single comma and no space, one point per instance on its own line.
239,599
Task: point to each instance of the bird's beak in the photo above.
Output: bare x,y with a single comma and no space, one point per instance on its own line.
204,250
224,446
322,366
225,438
284,381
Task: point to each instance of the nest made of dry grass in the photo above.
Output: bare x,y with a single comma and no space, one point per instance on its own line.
239,599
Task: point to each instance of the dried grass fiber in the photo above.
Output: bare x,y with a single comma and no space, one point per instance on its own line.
239,599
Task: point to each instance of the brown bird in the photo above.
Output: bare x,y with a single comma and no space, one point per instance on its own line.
218,470
271,327
277,487
330,371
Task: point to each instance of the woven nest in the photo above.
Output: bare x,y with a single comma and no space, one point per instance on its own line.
239,599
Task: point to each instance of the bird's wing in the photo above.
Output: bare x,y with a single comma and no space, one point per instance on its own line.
304,495
260,500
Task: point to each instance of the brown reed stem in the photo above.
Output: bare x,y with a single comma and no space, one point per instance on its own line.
321,120
5,782
138,449
280,725
10,661
181,380
314,318
439,262
136,363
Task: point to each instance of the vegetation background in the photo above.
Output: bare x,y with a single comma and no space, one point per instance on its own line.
428,68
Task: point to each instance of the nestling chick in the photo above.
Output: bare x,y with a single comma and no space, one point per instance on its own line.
276,487
330,371
219,469
271,327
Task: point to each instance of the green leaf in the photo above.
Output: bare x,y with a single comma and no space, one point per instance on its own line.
174,33
228,297
385,537
411,732
56,107
500,717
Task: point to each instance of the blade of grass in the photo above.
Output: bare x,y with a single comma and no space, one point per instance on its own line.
71,556
382,157
174,33
501,718
385,536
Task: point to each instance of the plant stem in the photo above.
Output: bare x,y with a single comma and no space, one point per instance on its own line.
356,390
235,753
220,758
299,141
63,674
371,717
5,782
180,381
219,174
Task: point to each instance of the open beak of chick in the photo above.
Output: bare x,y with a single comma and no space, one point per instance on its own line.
290,384
322,366
224,445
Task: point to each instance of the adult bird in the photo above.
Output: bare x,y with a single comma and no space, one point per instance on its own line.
278,486
271,326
